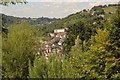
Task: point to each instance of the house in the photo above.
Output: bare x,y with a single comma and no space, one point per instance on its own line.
51,34
61,34
94,23
59,30
61,41
101,15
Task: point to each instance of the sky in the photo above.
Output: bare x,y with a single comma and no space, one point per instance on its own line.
51,8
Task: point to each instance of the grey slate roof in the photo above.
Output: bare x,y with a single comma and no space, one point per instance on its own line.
53,41
62,40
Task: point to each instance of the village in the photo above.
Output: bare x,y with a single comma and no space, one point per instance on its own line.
54,45
60,40
56,40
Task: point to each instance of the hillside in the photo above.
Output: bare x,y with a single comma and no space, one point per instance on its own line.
89,16
84,45
93,16
83,23
8,20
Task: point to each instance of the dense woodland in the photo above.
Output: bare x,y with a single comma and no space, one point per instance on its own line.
91,50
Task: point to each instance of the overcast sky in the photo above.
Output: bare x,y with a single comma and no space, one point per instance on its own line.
51,8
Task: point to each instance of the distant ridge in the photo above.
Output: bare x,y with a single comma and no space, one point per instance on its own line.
42,21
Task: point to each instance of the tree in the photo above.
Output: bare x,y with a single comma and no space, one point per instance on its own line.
6,2
76,58
113,26
100,61
17,50
40,69
72,33
52,68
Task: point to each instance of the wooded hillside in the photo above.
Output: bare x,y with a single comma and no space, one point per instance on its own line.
91,49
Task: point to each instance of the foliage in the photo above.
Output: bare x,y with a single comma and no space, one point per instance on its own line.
6,2
38,22
92,51
73,31
17,50
97,63
52,68
93,55
75,57
102,60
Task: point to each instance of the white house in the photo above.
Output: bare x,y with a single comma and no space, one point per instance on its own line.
101,15
59,30
52,34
